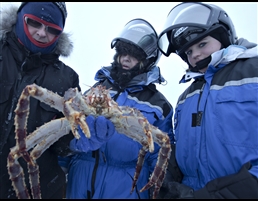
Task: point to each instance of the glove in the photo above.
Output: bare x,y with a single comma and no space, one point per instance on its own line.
101,130
177,190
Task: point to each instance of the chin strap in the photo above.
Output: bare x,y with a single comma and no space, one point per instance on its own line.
194,72
200,64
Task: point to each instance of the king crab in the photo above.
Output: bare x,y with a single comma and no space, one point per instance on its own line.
75,107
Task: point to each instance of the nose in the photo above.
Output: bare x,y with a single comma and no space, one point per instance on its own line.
126,57
42,30
195,54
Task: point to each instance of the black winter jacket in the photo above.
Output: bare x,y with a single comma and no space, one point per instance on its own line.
18,68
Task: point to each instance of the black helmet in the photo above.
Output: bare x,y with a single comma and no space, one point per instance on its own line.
140,34
189,22
60,5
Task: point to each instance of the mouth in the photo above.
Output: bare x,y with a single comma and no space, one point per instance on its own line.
41,42
38,41
125,67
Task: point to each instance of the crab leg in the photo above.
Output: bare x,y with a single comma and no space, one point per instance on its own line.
50,98
43,142
55,129
21,150
158,174
136,124
140,162
15,171
73,116
159,183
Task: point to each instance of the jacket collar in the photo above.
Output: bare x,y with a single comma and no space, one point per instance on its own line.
243,49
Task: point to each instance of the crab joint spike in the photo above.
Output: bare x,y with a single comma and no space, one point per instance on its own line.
84,127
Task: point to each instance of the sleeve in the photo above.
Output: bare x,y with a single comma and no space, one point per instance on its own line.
236,186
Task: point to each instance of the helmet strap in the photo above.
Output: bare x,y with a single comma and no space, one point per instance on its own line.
200,64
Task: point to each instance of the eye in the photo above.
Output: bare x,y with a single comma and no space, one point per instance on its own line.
188,52
54,31
134,59
33,23
202,44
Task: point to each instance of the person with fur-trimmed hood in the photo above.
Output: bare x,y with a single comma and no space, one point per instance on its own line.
31,42
107,170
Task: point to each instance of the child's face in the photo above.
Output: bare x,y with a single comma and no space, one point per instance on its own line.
202,50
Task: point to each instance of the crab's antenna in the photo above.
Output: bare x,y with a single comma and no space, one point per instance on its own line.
87,85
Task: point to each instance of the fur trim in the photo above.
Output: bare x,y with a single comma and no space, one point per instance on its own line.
123,48
64,45
8,15
8,19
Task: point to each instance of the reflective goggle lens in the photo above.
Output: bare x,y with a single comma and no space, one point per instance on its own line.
38,25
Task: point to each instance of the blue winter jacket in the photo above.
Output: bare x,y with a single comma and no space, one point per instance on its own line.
216,118
109,171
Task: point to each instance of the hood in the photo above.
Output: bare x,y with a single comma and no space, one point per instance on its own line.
8,20
245,43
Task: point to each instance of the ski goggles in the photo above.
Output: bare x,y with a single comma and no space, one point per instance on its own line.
49,28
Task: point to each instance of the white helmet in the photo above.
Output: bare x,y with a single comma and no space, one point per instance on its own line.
140,33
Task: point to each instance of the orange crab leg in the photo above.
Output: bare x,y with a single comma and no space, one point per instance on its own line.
24,143
158,174
17,175
140,162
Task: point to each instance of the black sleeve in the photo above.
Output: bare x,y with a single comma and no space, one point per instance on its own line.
235,186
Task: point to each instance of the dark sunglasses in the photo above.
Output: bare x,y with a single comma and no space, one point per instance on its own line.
38,25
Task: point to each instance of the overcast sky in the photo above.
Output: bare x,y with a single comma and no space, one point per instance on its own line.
93,26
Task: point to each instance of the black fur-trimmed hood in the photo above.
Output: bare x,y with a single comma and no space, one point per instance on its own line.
8,19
